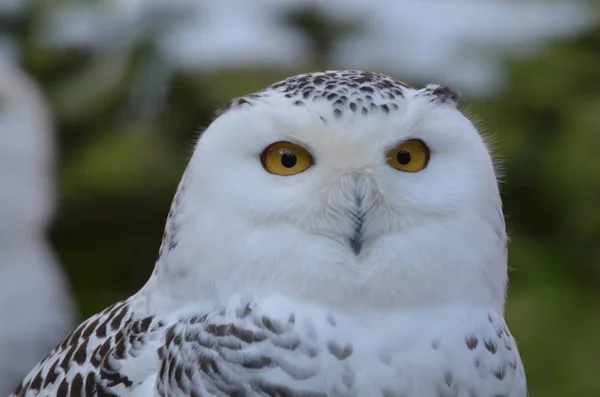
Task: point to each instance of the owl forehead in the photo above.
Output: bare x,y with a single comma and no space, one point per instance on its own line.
346,92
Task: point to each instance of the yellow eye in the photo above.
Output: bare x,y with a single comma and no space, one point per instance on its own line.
285,158
409,156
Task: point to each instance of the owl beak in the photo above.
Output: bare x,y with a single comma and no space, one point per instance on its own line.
358,219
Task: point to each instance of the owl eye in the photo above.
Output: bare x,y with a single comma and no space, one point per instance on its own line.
286,158
409,156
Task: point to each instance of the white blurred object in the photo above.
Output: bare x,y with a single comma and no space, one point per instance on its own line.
461,43
9,48
233,32
187,33
36,310
12,7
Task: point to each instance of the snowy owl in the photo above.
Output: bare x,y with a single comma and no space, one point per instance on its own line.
36,310
339,233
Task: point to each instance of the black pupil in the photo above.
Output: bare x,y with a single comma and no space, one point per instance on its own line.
403,157
288,159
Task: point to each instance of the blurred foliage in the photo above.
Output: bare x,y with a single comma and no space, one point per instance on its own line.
117,175
321,30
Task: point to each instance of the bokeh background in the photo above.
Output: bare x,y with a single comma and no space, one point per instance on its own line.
129,83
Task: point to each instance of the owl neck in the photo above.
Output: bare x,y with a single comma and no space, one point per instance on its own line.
423,269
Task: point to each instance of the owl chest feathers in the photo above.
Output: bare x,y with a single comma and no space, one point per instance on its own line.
258,347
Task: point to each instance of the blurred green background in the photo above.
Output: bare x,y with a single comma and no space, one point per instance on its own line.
117,175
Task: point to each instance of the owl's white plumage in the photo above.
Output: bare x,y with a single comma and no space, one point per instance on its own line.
259,289
35,305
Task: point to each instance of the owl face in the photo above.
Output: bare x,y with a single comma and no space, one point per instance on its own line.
353,179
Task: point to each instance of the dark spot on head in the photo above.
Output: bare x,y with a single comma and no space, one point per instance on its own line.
444,94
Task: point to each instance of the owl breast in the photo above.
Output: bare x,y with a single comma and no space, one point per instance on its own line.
278,346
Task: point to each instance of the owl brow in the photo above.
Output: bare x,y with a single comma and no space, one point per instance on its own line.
350,91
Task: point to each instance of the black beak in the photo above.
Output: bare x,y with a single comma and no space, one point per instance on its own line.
358,219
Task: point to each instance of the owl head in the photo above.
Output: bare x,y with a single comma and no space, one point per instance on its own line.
348,188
